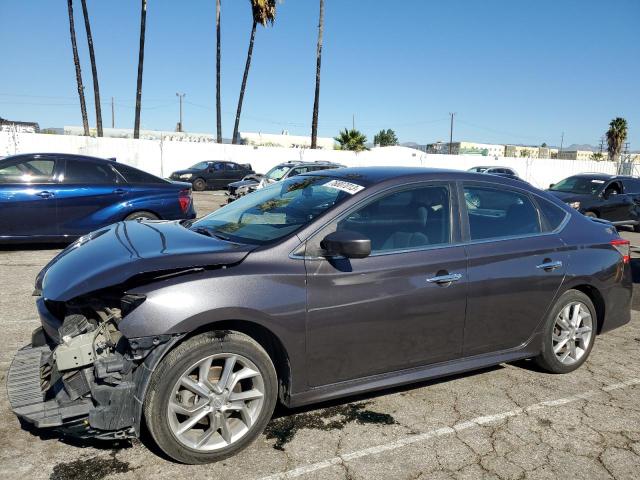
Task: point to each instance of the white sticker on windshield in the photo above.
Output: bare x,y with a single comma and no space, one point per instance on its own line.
350,188
597,181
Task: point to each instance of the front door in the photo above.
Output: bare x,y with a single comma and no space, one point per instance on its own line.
401,307
516,265
27,197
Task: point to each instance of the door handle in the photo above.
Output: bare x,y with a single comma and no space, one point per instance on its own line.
442,279
119,191
45,194
549,266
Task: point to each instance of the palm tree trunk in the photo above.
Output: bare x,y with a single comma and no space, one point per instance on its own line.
76,62
94,70
143,21
218,104
244,84
316,100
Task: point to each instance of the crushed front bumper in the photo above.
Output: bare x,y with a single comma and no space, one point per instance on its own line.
32,397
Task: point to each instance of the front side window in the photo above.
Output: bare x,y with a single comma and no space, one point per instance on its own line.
35,170
407,219
495,213
84,172
276,211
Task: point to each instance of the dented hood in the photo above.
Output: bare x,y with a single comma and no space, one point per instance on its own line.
114,254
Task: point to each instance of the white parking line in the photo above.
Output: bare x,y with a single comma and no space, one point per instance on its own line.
403,442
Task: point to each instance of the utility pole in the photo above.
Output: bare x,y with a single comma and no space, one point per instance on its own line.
601,144
353,121
451,131
561,142
113,114
180,96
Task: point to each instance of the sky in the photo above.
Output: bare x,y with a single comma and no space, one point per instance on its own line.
513,71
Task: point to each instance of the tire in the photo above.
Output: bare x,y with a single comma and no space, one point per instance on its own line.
165,421
554,334
636,228
591,214
142,215
199,185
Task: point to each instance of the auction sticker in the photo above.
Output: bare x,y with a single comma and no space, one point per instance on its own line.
350,188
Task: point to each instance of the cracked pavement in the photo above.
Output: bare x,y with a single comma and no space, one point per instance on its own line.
507,422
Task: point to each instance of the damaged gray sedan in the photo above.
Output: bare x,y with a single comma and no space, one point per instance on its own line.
321,286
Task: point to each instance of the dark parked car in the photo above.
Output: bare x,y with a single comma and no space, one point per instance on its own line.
320,286
215,175
276,174
615,198
59,197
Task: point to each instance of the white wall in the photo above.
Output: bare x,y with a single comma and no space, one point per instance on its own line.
163,157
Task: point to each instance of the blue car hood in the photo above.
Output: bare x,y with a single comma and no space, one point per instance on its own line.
112,255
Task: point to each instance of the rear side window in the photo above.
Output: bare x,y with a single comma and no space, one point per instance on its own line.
553,214
500,213
82,171
631,185
133,175
27,171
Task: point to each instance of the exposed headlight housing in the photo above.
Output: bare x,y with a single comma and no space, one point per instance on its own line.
186,175
575,205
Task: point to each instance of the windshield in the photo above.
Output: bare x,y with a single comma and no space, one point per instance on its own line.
201,166
276,211
276,173
584,185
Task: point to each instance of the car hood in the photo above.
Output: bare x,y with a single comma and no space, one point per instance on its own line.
186,170
569,197
113,255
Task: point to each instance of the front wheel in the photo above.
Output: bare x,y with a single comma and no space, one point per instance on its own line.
210,397
199,185
569,333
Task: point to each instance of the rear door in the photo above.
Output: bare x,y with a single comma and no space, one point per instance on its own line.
27,196
632,191
392,310
233,173
89,196
517,262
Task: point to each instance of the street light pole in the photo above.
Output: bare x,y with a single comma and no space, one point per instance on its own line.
180,96
451,132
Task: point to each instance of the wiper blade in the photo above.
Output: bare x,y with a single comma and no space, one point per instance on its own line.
209,233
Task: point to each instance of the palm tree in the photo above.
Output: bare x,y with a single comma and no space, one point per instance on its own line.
353,140
76,62
143,21
316,99
616,136
263,12
94,70
218,104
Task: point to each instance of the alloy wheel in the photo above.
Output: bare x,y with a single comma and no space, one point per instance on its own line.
572,333
215,402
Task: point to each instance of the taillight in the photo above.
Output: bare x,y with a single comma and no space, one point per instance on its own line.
624,247
184,198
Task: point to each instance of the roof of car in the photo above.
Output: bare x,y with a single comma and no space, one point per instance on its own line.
60,155
295,163
371,175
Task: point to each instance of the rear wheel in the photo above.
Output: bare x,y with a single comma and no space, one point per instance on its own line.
142,215
569,333
211,397
199,185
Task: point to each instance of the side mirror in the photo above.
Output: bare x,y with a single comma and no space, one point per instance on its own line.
551,185
346,243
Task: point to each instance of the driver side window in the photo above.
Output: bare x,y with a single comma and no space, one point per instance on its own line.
403,220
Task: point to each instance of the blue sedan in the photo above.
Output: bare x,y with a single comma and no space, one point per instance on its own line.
58,197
